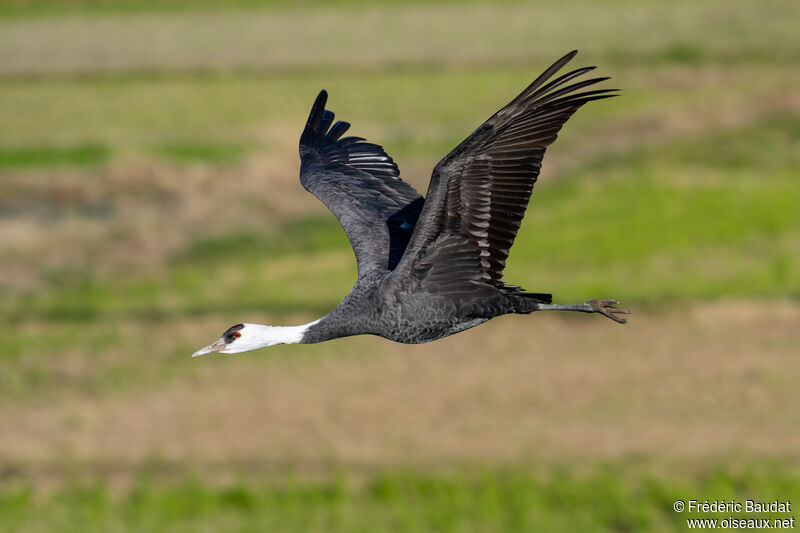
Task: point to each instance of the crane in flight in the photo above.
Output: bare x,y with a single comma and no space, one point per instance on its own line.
431,267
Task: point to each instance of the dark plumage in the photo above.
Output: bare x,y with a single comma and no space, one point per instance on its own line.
428,268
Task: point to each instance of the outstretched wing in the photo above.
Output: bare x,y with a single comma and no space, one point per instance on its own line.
479,192
360,184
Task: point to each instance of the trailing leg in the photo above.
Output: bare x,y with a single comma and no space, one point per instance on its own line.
607,308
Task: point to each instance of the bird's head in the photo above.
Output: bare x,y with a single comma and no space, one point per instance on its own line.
237,339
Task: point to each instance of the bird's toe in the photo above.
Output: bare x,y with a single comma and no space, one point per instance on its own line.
609,309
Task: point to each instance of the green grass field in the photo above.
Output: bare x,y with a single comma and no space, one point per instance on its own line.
502,500
149,199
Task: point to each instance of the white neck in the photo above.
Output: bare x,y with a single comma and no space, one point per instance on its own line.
270,335
256,336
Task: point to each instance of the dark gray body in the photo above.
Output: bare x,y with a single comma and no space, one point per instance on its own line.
382,305
428,268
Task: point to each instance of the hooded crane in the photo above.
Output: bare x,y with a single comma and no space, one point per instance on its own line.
429,268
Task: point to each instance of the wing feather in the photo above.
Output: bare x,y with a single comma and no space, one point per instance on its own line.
361,185
479,192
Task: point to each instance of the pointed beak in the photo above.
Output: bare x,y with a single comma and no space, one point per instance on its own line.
213,347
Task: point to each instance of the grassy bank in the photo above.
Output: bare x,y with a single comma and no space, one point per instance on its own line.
510,500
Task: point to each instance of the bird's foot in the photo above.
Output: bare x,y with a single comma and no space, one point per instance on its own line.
608,308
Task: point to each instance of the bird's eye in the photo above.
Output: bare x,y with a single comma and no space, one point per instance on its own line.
237,334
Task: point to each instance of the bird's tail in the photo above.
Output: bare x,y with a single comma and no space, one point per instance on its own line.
527,302
539,297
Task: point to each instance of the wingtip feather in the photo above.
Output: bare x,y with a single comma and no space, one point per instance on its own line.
317,111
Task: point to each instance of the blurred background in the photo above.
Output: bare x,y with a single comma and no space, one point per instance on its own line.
149,199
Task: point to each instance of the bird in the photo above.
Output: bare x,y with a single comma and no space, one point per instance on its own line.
432,267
